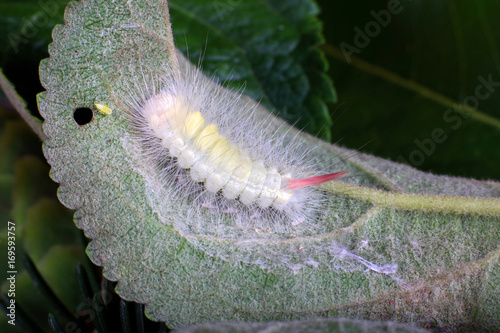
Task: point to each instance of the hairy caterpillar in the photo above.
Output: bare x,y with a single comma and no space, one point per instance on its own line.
219,153
233,173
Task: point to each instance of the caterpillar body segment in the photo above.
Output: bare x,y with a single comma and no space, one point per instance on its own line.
217,162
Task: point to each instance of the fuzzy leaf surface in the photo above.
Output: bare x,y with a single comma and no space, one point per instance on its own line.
442,232
336,325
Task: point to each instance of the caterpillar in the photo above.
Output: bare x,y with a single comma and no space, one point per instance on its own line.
216,150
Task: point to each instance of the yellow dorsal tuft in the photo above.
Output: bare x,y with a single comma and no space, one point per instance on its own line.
194,123
207,137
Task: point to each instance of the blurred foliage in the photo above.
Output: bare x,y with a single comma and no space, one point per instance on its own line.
44,228
442,45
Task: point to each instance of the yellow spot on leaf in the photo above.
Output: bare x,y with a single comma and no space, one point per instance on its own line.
104,109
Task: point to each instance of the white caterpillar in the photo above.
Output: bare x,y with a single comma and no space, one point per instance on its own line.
220,154
228,176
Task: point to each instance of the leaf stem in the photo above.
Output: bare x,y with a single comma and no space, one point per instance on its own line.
424,202
412,86
20,106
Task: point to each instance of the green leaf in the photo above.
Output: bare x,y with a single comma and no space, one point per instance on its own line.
442,232
16,141
57,268
25,28
27,23
270,47
416,67
309,326
30,170
46,225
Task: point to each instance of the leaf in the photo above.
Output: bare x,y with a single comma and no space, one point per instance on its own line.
25,27
309,326
442,232
24,20
442,53
270,47
58,269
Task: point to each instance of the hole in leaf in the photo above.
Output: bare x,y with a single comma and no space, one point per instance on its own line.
83,116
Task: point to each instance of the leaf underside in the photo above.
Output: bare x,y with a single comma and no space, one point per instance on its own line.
337,325
447,256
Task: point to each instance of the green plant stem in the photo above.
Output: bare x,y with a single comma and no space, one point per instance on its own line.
411,85
423,202
20,106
